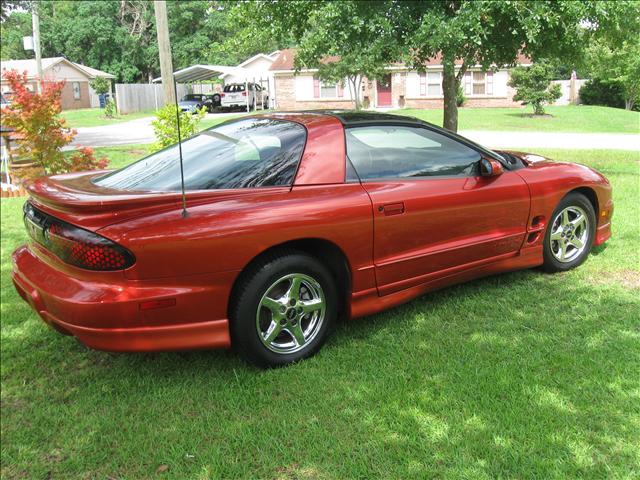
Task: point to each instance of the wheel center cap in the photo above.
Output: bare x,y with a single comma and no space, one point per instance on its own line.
291,313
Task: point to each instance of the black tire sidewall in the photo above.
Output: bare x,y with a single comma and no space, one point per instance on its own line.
551,264
243,314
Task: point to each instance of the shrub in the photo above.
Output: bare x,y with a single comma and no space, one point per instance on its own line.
534,87
460,98
36,121
110,108
35,117
165,126
602,92
83,159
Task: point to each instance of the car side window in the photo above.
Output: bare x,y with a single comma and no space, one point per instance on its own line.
392,151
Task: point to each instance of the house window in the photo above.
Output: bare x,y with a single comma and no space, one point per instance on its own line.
478,83
323,89
430,84
76,90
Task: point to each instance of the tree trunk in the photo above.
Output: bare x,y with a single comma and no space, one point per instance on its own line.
450,83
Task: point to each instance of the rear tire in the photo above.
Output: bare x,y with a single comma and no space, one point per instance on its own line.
283,309
570,234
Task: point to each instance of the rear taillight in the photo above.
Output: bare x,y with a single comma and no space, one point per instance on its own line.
244,94
222,95
75,245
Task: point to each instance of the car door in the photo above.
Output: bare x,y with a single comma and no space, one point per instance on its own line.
434,215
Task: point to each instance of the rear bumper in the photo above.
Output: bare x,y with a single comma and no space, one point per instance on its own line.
108,315
234,104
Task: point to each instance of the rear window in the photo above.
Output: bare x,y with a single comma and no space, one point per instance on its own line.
234,88
242,154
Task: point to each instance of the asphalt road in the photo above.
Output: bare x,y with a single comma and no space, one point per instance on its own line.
141,131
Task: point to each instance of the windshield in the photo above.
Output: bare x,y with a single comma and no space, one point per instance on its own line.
188,98
245,153
234,88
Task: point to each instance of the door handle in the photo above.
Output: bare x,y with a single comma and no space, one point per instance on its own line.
392,208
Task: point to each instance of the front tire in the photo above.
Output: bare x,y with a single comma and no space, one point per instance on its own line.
283,309
570,233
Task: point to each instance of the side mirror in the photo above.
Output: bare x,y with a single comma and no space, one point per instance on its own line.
490,168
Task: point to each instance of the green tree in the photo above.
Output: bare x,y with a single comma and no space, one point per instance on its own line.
16,26
100,85
534,87
489,34
618,64
344,40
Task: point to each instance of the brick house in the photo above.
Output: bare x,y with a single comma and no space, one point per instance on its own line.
76,92
400,87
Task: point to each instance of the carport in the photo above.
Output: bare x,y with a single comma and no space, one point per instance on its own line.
199,73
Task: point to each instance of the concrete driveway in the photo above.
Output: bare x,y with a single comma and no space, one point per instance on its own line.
125,133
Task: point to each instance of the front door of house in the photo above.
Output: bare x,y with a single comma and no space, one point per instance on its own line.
383,91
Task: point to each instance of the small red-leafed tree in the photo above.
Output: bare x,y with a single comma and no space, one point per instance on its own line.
41,131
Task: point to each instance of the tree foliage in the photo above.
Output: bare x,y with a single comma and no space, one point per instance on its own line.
344,40
618,65
533,86
100,85
119,37
35,118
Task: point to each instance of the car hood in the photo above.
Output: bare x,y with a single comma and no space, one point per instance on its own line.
189,103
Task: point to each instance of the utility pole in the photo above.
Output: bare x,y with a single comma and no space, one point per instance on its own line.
35,21
164,49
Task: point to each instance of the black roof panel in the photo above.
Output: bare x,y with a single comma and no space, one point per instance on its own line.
359,117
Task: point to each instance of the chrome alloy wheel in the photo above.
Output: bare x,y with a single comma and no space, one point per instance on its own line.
290,313
569,234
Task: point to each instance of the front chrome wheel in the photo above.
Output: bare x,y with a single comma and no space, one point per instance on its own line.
569,234
290,313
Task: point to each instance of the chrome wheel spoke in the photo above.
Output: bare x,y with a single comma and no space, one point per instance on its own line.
557,235
563,249
294,290
297,334
310,306
579,221
273,331
565,218
272,305
576,242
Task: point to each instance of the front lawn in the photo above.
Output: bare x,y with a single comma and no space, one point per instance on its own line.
521,375
94,117
580,119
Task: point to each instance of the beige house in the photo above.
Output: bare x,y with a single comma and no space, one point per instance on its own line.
400,87
76,92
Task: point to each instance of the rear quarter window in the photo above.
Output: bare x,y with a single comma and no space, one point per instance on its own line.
247,153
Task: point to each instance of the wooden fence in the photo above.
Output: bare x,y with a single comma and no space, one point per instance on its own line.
137,97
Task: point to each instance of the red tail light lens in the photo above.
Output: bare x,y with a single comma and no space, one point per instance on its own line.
222,95
75,245
244,94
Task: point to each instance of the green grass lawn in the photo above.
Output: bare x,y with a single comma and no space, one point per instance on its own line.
94,117
521,375
581,119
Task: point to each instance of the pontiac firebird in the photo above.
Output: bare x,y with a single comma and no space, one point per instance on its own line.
289,222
